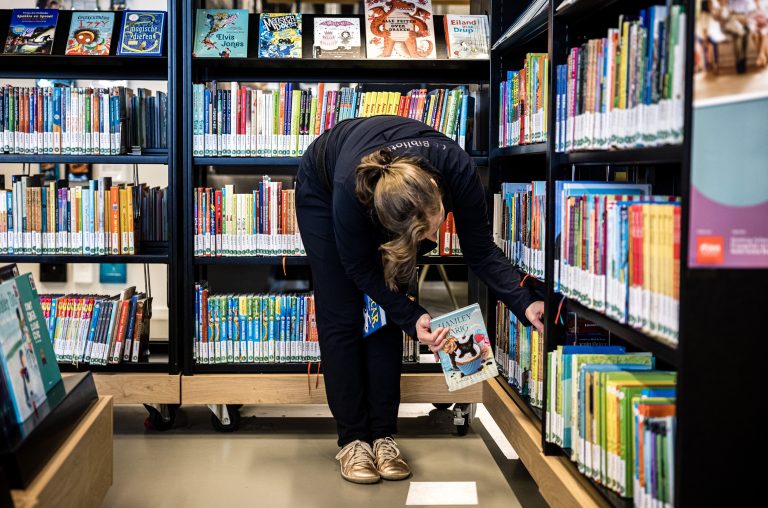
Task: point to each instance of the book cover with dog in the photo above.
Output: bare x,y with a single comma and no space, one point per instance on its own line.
467,356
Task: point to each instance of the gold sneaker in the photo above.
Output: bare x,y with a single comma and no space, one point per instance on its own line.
356,460
389,461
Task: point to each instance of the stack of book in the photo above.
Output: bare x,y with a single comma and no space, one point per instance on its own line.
447,239
71,120
619,253
519,224
251,328
615,416
626,89
520,353
235,120
99,329
523,100
98,219
262,223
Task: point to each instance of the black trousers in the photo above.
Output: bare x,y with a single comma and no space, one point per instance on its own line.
362,375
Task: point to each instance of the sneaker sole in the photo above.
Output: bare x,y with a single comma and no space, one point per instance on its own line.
363,481
396,477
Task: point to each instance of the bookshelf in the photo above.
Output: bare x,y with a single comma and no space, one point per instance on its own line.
158,381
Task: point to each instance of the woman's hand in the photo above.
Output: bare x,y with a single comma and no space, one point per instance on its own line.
535,313
433,339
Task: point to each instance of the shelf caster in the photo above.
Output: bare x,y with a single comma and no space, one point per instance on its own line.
463,414
161,416
442,406
225,417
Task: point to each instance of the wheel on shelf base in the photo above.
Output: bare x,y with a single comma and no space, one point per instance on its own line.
463,414
225,417
441,405
161,416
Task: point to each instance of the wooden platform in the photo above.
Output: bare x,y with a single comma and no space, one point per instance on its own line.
298,389
138,388
80,472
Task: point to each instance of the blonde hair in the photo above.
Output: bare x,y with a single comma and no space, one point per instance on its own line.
403,195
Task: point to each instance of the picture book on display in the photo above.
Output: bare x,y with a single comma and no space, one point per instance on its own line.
467,356
142,33
467,37
221,33
337,38
90,33
31,31
279,35
374,316
399,30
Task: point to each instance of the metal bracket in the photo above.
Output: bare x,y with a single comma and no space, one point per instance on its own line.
162,409
464,413
220,410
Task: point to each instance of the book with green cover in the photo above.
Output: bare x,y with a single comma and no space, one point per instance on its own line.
221,33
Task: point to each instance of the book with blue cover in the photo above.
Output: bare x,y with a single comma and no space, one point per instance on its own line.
142,33
31,31
221,33
90,33
279,35
374,317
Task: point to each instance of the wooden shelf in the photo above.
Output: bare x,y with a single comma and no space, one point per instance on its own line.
80,473
300,389
138,387
67,258
139,367
531,149
8,158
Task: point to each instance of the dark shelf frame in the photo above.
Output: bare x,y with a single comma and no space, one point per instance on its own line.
536,413
293,368
666,154
511,151
86,159
303,260
156,259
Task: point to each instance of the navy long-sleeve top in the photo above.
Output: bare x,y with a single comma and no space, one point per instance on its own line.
358,236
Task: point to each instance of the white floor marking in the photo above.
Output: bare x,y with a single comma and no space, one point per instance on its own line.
442,493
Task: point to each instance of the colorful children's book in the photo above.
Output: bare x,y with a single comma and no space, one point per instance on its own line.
221,33
467,356
31,31
374,315
399,30
467,37
337,38
142,33
90,33
279,35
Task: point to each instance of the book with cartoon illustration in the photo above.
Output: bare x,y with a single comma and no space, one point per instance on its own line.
467,356
374,316
399,30
142,33
279,35
31,31
467,36
90,33
337,38
221,33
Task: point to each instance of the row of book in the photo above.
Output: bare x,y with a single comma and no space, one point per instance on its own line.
615,415
32,32
254,328
519,222
625,89
619,253
99,329
523,99
447,239
261,223
520,354
72,120
235,120
99,218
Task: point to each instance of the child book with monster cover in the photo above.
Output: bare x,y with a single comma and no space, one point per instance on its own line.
399,30
31,31
374,316
142,33
90,33
279,35
221,33
467,356
467,37
337,38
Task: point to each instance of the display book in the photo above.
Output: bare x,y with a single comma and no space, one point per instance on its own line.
614,414
221,33
523,100
337,38
259,223
90,33
29,370
72,120
447,239
142,33
617,250
31,31
625,90
98,218
519,224
467,36
233,120
99,329
280,35
399,30
467,356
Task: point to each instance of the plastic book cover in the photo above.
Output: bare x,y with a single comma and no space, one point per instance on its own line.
18,361
399,30
142,33
221,33
467,356
374,316
337,38
31,31
467,37
279,35
90,33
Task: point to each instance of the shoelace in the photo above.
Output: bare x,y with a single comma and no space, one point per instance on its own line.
361,453
387,449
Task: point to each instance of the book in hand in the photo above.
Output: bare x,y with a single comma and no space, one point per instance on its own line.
467,37
374,316
399,30
279,35
467,356
31,31
337,38
221,33
142,33
90,33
